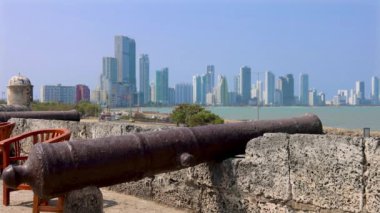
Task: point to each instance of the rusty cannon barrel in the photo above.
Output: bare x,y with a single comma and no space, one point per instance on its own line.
53,169
71,115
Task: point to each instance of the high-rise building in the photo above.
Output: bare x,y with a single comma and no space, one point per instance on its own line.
211,78
144,78
360,92
342,98
210,99
281,86
269,88
304,88
125,53
289,95
245,84
322,98
286,86
110,69
162,86
107,79
171,96
58,94
205,82
113,93
82,93
153,92
197,89
313,99
237,84
257,92
95,96
375,90
353,99
221,95
278,97
183,93
232,98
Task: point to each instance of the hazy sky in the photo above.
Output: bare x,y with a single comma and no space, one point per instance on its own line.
335,41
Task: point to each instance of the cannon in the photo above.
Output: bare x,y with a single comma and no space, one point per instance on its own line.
54,169
71,115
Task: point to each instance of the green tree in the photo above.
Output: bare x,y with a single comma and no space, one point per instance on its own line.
194,115
203,118
87,109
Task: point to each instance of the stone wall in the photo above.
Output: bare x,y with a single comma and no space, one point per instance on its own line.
81,130
278,173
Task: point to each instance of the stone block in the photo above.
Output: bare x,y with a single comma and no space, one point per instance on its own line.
223,201
220,174
142,188
175,189
372,190
326,171
265,170
89,199
104,129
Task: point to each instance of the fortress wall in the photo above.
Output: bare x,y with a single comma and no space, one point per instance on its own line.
278,173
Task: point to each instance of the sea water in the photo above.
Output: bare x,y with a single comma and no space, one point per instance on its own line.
349,117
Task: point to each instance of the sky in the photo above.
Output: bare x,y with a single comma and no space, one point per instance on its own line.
336,42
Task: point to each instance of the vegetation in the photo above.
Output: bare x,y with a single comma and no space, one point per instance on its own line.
194,115
85,108
88,109
51,106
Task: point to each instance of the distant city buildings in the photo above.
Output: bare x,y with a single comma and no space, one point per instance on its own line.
197,89
356,96
304,88
269,85
221,94
144,78
375,90
118,87
360,91
210,78
118,78
245,84
162,86
58,94
288,90
183,93
82,93
125,54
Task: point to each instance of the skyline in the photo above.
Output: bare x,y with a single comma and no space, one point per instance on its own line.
335,42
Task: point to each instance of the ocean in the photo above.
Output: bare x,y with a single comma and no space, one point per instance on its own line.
348,117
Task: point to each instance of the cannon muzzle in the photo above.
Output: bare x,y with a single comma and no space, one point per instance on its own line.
53,169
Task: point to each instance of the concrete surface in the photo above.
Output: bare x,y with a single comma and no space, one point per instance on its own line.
21,201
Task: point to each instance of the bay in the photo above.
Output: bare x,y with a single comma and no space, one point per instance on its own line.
348,117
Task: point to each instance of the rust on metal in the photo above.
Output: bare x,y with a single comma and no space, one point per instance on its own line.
71,115
53,169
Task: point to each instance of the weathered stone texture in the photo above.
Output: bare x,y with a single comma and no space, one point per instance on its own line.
80,130
372,174
326,171
89,199
265,171
142,188
176,190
